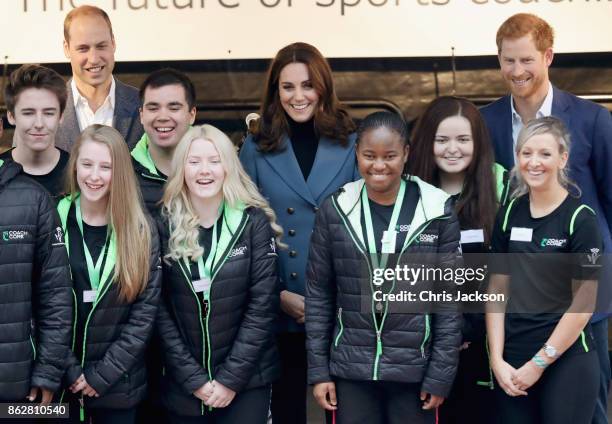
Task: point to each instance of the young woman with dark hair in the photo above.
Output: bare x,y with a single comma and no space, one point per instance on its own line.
382,365
451,150
300,152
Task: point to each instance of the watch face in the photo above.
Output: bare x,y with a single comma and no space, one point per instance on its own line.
550,351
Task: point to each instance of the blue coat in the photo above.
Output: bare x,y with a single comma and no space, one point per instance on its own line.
295,201
590,160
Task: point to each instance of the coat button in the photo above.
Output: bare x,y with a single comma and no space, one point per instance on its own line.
290,211
293,275
293,253
315,209
291,233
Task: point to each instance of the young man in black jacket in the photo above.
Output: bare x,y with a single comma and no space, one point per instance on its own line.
35,101
35,290
167,112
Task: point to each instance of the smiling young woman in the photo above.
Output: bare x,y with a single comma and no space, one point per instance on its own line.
114,258
220,288
380,367
451,150
547,345
300,152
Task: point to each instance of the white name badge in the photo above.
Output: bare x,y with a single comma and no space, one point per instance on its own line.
521,234
388,241
472,236
89,296
202,285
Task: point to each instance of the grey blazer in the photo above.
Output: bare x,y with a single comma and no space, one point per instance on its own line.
126,117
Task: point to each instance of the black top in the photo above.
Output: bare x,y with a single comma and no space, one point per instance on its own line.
205,240
305,143
54,180
95,238
546,257
381,216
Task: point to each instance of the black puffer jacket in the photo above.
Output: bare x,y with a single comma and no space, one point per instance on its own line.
150,181
116,335
35,288
341,339
233,342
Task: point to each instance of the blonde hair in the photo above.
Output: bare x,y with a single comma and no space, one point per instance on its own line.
124,209
546,125
238,189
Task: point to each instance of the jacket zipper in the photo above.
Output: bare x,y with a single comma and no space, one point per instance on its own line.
153,177
341,328
206,335
93,308
427,334
379,344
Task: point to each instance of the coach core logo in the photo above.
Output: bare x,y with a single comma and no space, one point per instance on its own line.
594,256
238,251
14,235
428,238
553,242
59,234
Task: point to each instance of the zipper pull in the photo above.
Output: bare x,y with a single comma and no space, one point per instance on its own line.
379,347
81,409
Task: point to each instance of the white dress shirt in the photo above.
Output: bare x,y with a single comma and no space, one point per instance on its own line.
85,116
545,110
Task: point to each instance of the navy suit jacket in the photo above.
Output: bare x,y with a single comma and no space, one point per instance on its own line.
590,159
295,201
126,117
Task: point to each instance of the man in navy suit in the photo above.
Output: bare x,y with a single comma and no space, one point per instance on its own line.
525,52
94,96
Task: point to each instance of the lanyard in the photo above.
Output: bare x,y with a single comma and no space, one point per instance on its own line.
389,234
205,268
92,270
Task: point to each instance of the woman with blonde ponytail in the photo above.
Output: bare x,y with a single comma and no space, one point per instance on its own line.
220,290
114,258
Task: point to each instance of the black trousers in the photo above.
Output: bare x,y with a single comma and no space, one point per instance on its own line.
471,400
380,402
248,407
565,394
289,393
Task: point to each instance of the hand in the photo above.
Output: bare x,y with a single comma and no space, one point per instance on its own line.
323,391
81,385
527,375
293,305
47,395
221,396
504,374
431,401
464,345
204,392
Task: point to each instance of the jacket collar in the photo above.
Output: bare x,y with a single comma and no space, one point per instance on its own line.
8,170
330,156
431,205
141,154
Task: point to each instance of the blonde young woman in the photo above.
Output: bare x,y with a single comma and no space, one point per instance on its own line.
220,289
541,342
114,258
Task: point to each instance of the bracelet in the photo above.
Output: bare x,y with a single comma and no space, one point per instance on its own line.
539,361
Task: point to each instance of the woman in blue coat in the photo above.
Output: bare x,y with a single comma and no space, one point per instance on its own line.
301,151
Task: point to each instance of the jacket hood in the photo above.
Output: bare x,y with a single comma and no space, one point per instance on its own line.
8,171
141,154
431,204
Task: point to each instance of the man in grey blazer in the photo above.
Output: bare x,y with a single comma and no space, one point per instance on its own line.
94,96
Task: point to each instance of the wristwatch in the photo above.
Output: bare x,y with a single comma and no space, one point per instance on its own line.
550,351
